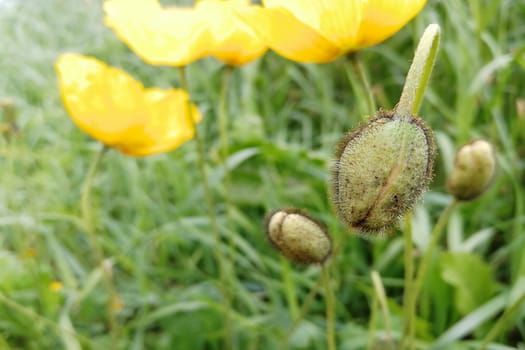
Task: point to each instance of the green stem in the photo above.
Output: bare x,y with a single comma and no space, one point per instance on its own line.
289,288
409,276
330,308
372,327
219,254
302,313
409,104
436,235
224,151
105,266
419,72
502,321
359,68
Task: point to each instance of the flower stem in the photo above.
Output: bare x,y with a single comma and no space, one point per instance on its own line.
411,303
105,266
358,78
219,254
357,64
419,72
302,312
224,151
409,276
330,308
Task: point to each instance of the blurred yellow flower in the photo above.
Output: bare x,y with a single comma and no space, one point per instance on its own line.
112,107
55,286
319,31
177,36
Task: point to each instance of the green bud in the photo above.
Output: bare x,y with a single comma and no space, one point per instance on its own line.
298,237
474,168
381,170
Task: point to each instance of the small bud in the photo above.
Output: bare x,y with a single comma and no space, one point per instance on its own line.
381,170
474,169
298,237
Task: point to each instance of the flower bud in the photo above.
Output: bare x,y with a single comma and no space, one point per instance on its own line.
474,168
298,237
381,170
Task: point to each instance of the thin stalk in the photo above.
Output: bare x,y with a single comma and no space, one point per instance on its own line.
330,308
436,235
289,289
357,65
409,278
372,327
302,312
224,151
87,217
219,254
409,104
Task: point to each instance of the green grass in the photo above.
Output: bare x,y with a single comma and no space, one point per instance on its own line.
285,120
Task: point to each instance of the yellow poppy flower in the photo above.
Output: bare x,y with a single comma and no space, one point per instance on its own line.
234,42
112,107
319,31
177,36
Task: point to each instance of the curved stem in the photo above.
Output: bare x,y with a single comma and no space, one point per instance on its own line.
330,308
409,275
210,203
411,303
357,65
105,266
224,151
302,312
357,76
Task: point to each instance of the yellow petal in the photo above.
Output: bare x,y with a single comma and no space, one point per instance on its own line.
234,41
384,18
115,109
336,20
169,124
172,36
290,37
103,101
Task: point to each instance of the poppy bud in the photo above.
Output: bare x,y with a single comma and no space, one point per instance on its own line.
298,237
474,168
381,170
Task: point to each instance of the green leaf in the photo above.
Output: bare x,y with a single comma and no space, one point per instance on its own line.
470,276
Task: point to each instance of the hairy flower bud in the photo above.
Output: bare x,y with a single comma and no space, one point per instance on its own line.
381,170
474,168
298,237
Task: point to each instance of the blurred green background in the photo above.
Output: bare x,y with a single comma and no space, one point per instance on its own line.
285,120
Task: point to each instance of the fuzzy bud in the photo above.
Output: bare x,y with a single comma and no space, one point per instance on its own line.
381,170
474,168
298,237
